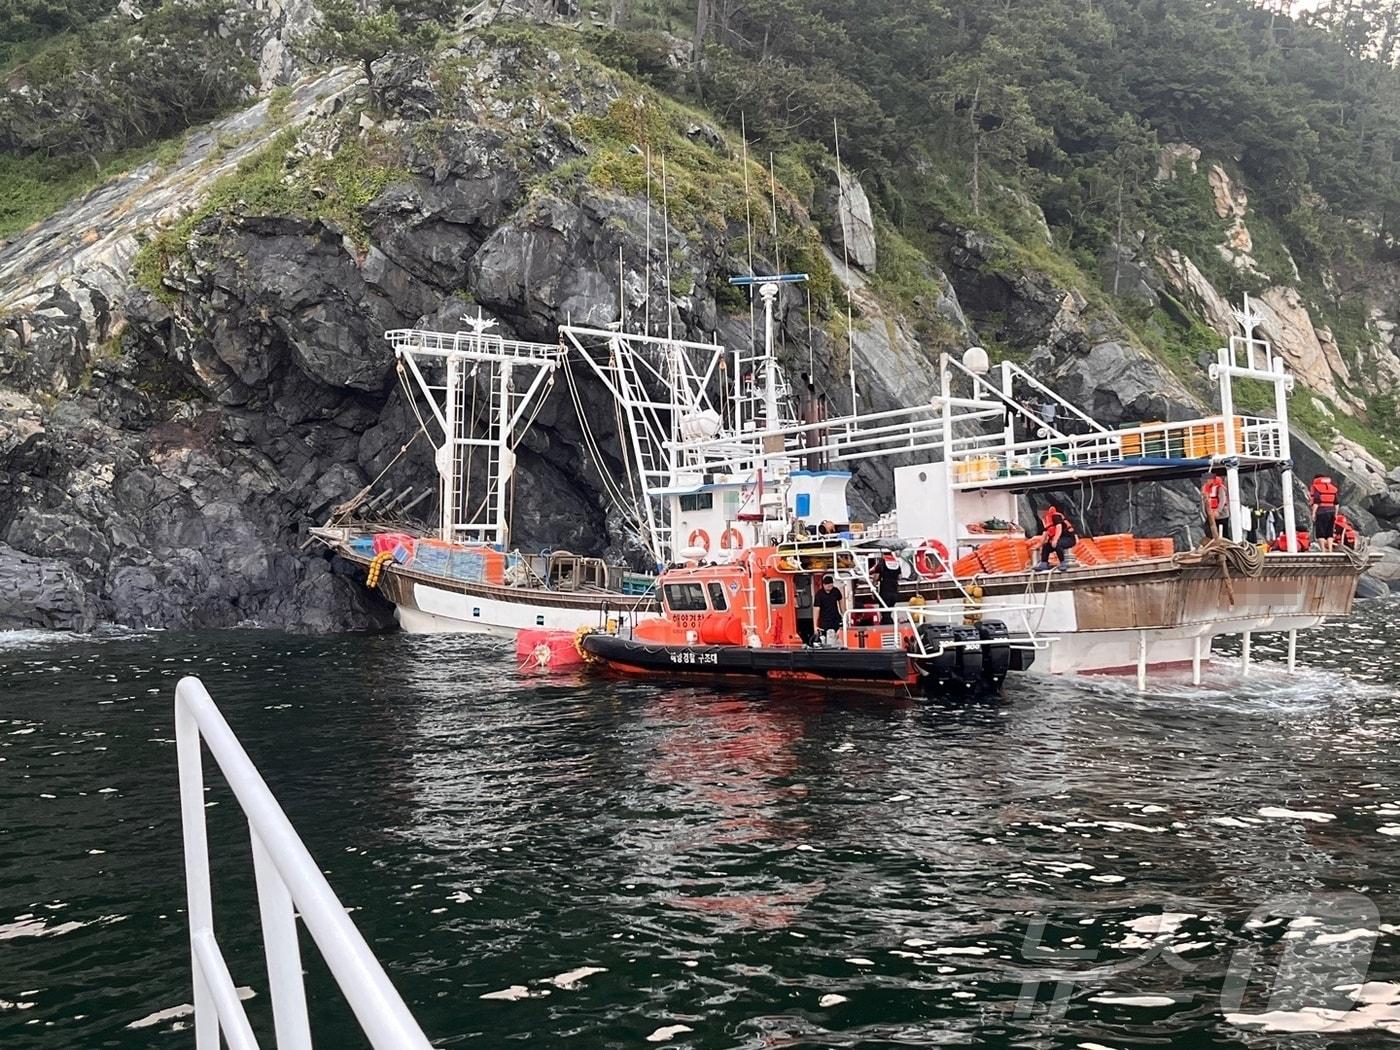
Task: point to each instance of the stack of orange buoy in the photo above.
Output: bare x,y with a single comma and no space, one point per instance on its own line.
1156,548
1087,552
1006,555
1121,546
968,565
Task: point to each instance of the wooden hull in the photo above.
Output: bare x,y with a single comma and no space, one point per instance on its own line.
427,604
1102,618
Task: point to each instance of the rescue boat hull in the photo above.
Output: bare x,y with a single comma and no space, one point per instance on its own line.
889,668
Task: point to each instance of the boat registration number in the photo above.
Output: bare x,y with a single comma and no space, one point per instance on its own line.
695,658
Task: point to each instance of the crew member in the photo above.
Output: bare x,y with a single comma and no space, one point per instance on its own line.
1215,497
1059,538
828,603
1323,499
1345,532
886,579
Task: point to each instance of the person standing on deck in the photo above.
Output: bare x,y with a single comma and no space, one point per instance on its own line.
828,603
1323,499
886,580
1059,538
1215,496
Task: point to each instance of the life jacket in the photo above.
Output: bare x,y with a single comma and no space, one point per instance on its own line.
1304,541
1216,494
1344,531
1055,518
1323,492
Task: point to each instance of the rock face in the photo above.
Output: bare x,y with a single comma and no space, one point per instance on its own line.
1288,325
847,220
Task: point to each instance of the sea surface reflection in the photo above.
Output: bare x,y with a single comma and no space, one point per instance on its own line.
597,863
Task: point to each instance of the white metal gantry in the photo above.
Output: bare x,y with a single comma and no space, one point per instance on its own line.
488,386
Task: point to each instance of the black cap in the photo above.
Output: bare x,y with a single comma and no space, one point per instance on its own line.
826,579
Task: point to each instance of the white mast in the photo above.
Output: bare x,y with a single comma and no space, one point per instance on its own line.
461,355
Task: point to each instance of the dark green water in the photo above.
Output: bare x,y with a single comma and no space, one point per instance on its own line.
1079,866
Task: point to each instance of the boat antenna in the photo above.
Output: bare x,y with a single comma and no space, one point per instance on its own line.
646,313
666,235
748,224
845,262
621,297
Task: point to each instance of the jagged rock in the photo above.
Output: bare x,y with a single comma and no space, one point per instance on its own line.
42,593
1171,155
1387,570
1386,538
1286,322
1124,275
1231,201
1385,504
1193,286
847,220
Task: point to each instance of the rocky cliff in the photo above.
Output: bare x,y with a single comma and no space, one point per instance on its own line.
192,369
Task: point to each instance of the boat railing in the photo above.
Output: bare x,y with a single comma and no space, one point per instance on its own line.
906,618
288,883
981,457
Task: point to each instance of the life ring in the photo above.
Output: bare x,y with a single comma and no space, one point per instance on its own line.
732,539
700,538
928,567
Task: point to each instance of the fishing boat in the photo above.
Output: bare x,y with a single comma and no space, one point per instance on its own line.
756,477
480,392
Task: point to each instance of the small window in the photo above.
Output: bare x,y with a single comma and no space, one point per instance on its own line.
698,501
777,592
685,597
718,601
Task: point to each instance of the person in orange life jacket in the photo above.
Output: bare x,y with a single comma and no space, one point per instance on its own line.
828,603
1345,532
1323,497
1216,498
1059,538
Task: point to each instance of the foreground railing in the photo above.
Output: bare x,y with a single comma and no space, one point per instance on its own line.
289,882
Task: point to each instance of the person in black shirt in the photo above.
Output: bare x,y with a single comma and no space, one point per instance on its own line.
885,576
828,603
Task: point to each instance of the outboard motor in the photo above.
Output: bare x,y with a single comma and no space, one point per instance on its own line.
996,656
969,660
941,669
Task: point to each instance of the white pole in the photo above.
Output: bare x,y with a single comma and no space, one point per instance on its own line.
447,455
1292,650
1232,472
1285,451
284,977
1142,662
945,389
769,292
1010,416
197,893
1196,661
505,464
1244,653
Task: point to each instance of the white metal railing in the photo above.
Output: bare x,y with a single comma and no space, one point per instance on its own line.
288,882
1258,438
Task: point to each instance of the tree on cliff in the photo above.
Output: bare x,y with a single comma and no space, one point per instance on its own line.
352,34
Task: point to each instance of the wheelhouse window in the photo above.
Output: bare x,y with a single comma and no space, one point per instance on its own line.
777,592
698,501
685,597
718,601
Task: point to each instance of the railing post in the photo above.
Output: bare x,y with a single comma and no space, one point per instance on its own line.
284,976
197,892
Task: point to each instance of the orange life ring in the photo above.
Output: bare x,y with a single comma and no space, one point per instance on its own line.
700,538
927,567
732,539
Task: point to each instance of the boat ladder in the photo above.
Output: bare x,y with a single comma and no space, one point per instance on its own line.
288,883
